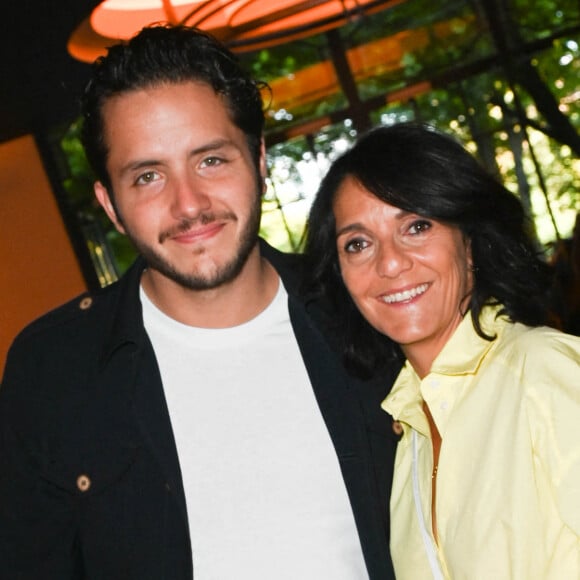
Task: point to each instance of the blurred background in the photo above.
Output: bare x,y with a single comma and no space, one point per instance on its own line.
501,75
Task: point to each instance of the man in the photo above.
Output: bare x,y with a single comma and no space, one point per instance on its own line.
191,418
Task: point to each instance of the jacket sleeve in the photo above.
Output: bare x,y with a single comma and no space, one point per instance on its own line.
38,520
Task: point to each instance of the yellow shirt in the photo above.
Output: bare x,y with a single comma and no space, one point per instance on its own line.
508,480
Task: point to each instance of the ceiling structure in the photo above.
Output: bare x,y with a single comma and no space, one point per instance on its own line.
41,81
245,25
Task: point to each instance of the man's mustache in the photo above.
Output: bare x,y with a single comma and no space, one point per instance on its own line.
202,219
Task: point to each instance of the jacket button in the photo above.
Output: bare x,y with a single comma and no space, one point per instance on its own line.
397,428
86,303
83,482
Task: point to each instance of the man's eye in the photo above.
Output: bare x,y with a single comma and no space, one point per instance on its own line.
212,161
419,226
147,177
355,246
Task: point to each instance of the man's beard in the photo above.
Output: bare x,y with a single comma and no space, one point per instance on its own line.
222,274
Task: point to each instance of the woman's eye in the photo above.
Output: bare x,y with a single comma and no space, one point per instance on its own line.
355,246
419,226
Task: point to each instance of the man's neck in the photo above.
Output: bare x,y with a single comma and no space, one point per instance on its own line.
228,305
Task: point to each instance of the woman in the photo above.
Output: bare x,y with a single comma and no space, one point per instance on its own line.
412,240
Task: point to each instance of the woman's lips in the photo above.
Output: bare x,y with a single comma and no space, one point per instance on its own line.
404,295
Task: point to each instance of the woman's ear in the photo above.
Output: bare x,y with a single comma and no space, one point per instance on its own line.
468,253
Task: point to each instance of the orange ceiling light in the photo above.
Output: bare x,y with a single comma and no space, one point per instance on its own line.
120,19
242,24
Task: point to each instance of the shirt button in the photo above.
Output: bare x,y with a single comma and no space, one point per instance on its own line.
86,303
434,384
83,483
397,428
443,405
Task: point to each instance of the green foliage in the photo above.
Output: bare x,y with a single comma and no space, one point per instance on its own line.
540,18
278,61
101,236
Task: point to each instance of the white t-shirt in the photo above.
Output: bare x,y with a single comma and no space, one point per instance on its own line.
265,495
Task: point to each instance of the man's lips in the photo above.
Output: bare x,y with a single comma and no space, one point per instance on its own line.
404,295
197,234
201,228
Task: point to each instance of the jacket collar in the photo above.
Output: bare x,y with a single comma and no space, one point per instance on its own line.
288,266
126,324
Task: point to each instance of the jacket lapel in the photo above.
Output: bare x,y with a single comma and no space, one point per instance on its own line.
152,416
128,353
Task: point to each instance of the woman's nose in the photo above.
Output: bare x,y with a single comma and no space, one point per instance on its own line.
392,259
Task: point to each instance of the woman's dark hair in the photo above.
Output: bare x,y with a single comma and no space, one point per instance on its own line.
415,168
163,55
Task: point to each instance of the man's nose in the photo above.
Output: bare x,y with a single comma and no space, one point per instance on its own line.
190,197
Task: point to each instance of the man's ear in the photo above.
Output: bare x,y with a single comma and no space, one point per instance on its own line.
263,167
104,199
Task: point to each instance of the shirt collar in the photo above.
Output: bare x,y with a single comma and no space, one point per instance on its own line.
126,322
465,350
462,355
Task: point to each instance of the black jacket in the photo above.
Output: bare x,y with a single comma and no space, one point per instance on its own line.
90,484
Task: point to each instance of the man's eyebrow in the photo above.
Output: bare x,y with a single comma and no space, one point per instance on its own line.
136,165
213,146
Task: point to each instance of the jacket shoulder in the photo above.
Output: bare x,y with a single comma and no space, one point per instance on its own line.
290,267
88,308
